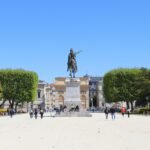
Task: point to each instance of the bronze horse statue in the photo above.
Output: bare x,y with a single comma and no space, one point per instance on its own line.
72,64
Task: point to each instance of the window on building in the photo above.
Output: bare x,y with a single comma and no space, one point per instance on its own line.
39,93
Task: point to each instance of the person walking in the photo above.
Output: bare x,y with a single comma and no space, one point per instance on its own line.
106,111
123,110
31,113
11,112
112,111
41,113
128,112
35,113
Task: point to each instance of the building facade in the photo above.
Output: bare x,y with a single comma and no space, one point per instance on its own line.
60,88
41,95
96,97
53,95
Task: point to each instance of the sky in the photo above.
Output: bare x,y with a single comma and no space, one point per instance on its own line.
37,35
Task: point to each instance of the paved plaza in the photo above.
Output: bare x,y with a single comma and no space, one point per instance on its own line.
62,133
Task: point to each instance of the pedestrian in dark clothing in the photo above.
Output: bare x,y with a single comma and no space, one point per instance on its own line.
128,112
106,111
11,112
41,113
35,113
112,111
31,113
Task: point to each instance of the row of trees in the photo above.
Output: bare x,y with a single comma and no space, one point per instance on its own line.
17,86
127,85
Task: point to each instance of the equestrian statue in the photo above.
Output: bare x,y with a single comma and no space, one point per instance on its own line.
72,63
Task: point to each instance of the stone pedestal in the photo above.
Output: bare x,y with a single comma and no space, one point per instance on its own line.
72,96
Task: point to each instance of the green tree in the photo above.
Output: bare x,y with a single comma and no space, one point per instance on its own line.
144,85
121,85
18,86
1,99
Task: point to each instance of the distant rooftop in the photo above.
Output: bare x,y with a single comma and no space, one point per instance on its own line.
93,78
42,82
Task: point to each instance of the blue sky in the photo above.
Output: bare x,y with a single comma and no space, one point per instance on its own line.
38,34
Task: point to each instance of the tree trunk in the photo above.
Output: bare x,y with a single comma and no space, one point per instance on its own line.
11,104
128,107
132,108
16,105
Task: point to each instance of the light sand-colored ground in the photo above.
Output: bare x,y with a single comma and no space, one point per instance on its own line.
93,133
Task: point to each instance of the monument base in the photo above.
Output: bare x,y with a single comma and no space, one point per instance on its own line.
72,97
81,113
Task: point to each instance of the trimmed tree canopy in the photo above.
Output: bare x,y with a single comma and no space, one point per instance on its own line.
121,85
18,85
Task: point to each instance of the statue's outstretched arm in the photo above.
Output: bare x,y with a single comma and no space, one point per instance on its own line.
78,52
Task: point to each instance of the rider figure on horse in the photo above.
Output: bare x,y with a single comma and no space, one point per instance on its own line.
72,64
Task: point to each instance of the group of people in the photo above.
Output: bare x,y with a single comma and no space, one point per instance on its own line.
123,111
74,108
34,112
53,111
112,111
